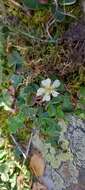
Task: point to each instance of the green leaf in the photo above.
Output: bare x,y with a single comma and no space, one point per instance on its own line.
15,59
59,112
51,110
31,88
16,80
82,100
34,4
49,126
29,111
82,91
22,97
61,88
26,94
57,100
67,105
16,122
67,2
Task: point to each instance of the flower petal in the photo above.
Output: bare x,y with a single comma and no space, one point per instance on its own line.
54,93
40,92
46,98
46,83
56,84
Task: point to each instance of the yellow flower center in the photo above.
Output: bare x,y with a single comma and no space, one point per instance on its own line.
49,89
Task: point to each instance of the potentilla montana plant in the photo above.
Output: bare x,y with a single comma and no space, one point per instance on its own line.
48,89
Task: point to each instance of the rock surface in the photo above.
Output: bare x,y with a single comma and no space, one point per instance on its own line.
69,174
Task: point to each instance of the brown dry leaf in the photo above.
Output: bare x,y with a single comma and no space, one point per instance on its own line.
38,186
37,164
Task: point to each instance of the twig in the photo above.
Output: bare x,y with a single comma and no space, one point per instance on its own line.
28,146
18,146
48,25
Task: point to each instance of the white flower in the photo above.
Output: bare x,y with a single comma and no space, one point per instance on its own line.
47,89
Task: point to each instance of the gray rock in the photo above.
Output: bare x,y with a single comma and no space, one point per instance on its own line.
77,145
45,180
52,179
82,176
69,173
